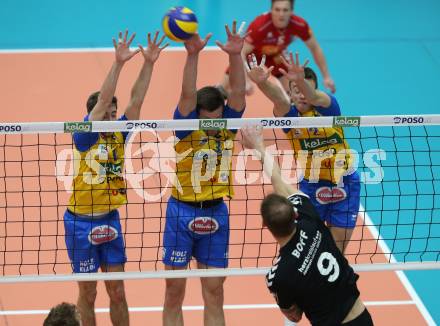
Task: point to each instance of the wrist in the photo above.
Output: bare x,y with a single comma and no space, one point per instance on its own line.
118,64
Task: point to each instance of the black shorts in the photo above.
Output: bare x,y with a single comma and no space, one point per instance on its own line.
364,319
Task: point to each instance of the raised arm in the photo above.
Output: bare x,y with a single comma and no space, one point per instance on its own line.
318,56
260,74
237,77
108,88
140,87
252,137
188,97
295,73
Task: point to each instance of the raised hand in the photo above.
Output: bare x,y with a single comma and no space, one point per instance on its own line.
195,44
295,71
152,51
252,137
258,73
235,41
122,47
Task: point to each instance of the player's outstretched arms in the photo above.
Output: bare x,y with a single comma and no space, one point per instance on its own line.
237,77
188,96
295,74
151,53
108,88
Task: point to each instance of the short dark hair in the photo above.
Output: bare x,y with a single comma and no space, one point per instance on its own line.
278,215
209,98
64,314
93,99
310,74
291,2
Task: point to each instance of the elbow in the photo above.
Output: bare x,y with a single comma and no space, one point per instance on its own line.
136,102
105,102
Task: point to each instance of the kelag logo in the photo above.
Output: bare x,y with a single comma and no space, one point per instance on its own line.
213,124
346,121
77,126
401,120
276,123
314,143
10,128
141,125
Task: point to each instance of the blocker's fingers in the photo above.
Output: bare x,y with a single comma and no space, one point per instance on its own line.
241,28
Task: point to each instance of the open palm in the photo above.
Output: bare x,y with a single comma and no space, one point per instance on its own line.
152,51
235,41
295,71
258,73
195,44
122,47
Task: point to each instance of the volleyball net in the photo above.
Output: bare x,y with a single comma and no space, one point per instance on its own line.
397,158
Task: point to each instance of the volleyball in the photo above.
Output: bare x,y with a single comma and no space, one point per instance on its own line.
179,23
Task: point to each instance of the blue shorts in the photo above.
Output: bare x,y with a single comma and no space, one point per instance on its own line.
338,206
202,233
92,243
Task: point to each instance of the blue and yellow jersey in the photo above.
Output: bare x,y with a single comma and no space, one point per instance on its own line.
322,153
204,163
98,184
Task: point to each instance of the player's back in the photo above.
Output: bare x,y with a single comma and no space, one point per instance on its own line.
312,273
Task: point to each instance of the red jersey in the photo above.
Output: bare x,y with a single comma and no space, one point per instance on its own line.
271,41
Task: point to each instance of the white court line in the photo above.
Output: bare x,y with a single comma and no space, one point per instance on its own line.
197,308
401,275
92,50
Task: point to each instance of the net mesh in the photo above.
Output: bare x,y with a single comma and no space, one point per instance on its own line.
400,192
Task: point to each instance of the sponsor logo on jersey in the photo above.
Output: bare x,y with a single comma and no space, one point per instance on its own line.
314,143
112,168
203,225
102,234
77,127
346,121
327,195
10,128
213,124
414,120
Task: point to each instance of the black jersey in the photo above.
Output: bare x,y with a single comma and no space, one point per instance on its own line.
311,272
